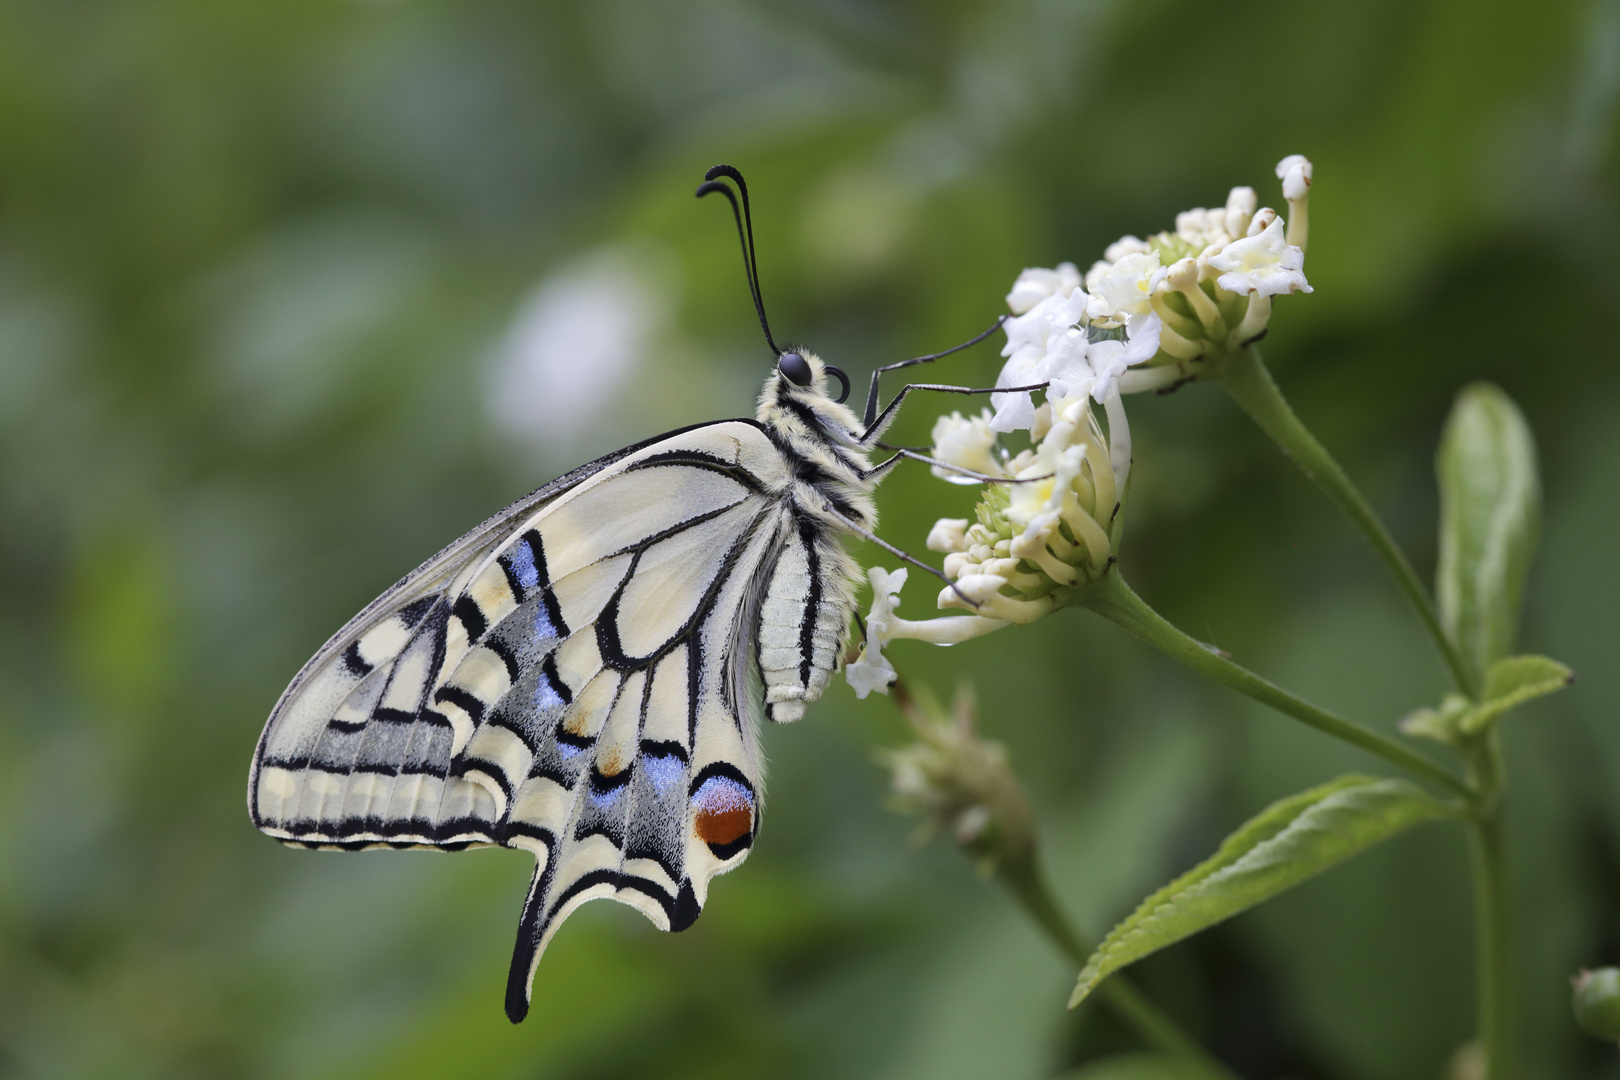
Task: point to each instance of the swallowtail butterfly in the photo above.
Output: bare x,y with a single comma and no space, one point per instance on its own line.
581,675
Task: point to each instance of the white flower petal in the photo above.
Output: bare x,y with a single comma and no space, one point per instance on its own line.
967,442
1124,287
1111,358
1037,283
873,671
1264,264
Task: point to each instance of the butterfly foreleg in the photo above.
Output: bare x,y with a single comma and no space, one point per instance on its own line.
901,453
877,426
904,556
870,411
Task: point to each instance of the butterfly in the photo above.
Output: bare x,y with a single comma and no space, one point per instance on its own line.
582,675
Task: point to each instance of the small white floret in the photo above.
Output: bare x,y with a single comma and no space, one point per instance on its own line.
966,442
1037,283
1029,337
1262,265
1123,288
873,670
1110,358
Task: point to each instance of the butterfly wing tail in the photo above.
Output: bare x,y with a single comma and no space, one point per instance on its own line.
526,955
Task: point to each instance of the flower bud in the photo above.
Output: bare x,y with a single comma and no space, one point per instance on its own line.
1597,1003
960,784
948,534
1240,206
1182,274
1295,173
1125,245
978,588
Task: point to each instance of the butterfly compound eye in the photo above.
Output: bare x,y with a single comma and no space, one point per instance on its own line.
795,368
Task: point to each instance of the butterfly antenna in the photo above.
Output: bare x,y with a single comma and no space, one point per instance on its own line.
745,236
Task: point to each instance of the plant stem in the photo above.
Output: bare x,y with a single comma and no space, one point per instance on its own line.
1111,598
1491,934
1495,979
1025,881
1246,378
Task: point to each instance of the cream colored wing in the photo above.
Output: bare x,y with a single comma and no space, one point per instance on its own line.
579,680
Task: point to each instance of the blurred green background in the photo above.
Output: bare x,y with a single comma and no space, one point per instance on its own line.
293,293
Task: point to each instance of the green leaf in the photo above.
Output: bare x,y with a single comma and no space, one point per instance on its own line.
1509,683
1286,843
1490,507
1442,724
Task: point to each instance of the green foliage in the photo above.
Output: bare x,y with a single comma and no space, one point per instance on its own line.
1509,683
1289,841
1490,514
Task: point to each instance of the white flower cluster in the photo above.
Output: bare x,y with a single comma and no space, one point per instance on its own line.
1157,305
1050,525
1151,314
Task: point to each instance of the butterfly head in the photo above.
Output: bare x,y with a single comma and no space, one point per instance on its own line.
803,384
805,372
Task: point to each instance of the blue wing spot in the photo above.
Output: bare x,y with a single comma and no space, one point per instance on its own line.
543,630
663,770
521,558
546,697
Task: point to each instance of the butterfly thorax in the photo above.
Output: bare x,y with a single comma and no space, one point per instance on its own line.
819,436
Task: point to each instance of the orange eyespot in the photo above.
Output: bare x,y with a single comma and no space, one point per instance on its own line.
724,813
724,827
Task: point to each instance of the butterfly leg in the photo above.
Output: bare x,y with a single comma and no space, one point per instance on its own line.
881,469
867,534
872,393
875,427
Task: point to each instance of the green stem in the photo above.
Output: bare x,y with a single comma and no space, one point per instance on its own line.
1245,377
1025,881
1111,598
1495,981
1492,939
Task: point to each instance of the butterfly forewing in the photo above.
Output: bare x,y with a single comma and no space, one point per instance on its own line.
578,678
